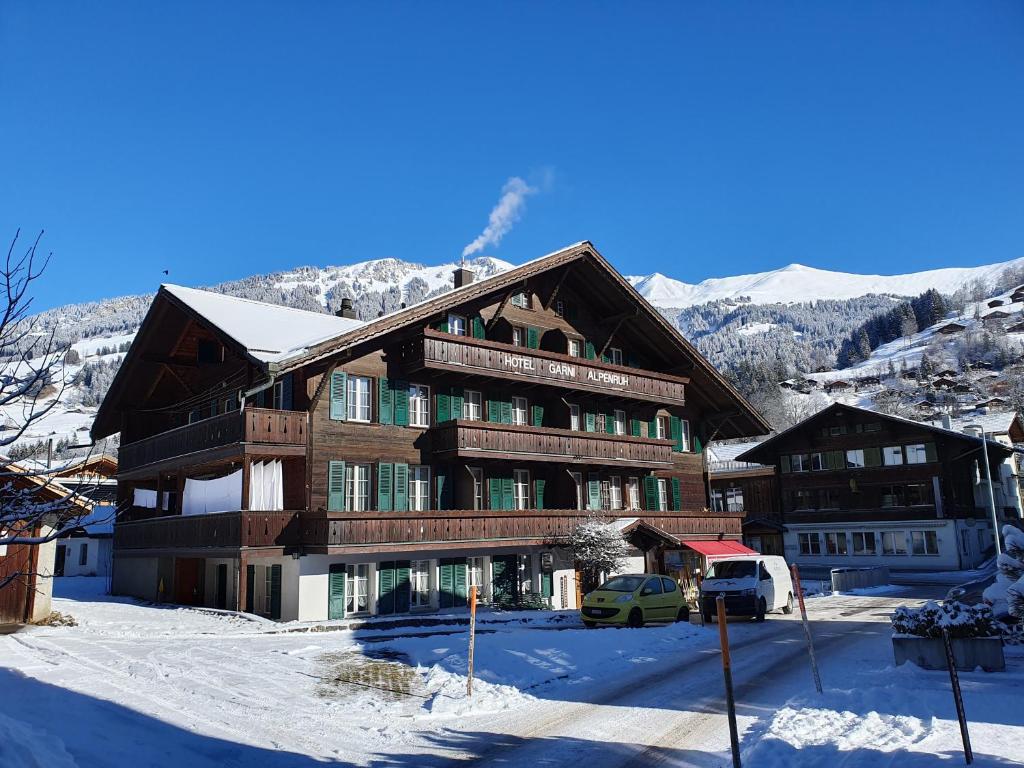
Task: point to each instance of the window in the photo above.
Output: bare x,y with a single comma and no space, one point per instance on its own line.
835,543
83,553
559,308
855,459
278,395
228,403
819,462
800,462
457,325
965,542
837,431
918,453
873,426
419,488
810,544
419,405
828,498
924,542
357,487
615,492
358,398
801,499
519,410
357,588
518,336
727,500
892,455
863,542
478,487
521,299
633,491
599,422
615,355
472,405
574,348
669,585
521,488
652,587
919,495
661,427
620,422
475,574
894,543
419,583
577,479
893,496
574,417
684,425
662,494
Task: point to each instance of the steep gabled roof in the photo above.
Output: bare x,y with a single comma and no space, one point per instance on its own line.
763,452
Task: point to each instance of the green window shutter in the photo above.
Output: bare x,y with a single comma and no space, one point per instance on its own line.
336,591
677,495
401,493
929,452
593,491
339,383
538,493
386,587
652,427
385,486
503,577
609,423
402,586
460,579
446,583
442,325
634,427
458,399
250,587
386,402
650,492
478,328
698,447
494,484
287,392
873,456
786,464
336,486
545,585
537,413
442,407
508,499
494,411
532,338
506,411
275,592
676,431
605,358
589,350
590,422
444,489
401,397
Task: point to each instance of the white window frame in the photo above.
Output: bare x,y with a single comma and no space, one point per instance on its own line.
419,405
520,410
577,479
684,425
456,324
662,494
521,488
661,427
359,399
419,583
477,478
575,348
615,355
812,540
835,538
633,492
892,455
419,488
475,574
559,308
357,487
574,417
620,421
472,405
522,300
278,399
865,537
916,453
357,585
853,456
899,540
518,336
923,537
615,492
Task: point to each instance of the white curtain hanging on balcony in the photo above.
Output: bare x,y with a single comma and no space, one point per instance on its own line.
266,486
144,498
222,494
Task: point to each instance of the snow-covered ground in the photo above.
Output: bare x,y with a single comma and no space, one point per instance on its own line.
142,685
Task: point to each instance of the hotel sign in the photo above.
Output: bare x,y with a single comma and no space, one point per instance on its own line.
554,369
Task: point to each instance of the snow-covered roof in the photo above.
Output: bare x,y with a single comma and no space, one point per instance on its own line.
268,332
728,451
995,423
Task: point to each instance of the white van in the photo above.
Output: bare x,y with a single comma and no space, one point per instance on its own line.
752,585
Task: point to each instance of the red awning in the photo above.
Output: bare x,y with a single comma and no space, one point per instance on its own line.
723,548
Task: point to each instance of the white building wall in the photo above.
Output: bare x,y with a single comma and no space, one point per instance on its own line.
210,582
42,602
98,554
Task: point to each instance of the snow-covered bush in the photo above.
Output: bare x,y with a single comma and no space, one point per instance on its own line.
1007,593
960,619
597,548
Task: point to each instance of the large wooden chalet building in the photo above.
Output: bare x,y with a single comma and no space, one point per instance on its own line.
310,466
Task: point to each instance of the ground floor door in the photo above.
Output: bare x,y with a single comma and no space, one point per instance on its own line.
188,580
451,580
505,584
58,563
336,591
393,586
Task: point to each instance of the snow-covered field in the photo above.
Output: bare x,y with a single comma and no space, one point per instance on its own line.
143,685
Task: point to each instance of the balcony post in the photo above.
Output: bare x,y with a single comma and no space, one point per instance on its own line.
246,475
242,581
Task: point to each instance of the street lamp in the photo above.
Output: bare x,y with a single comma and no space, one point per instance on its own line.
988,479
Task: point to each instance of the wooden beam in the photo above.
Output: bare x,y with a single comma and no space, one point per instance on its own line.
558,285
615,329
501,308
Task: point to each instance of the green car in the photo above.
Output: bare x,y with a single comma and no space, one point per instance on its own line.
633,599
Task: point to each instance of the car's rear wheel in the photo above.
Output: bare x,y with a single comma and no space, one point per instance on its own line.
789,604
589,624
684,614
762,609
636,618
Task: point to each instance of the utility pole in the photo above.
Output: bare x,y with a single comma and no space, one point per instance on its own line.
988,480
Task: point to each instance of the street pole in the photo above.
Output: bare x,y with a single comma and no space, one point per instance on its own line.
472,640
730,701
807,627
991,494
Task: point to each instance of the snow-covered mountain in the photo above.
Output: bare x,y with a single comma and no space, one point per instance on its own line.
797,283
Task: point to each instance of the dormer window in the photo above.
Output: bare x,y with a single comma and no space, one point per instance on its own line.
456,325
615,355
574,348
521,299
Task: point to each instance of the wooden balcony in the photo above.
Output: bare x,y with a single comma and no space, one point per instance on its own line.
461,354
221,531
253,425
487,440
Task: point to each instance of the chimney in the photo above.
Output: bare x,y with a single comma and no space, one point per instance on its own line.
463,276
346,309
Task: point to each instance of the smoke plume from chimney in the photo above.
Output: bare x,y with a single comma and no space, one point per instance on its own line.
506,213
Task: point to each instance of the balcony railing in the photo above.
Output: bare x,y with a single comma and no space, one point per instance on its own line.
253,425
221,530
483,439
443,351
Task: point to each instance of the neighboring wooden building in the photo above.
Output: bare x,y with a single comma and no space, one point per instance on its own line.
385,466
951,328
858,487
739,486
838,386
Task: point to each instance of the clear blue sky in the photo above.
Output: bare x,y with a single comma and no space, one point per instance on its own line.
219,140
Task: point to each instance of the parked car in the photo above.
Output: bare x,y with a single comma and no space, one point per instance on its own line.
751,585
634,599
